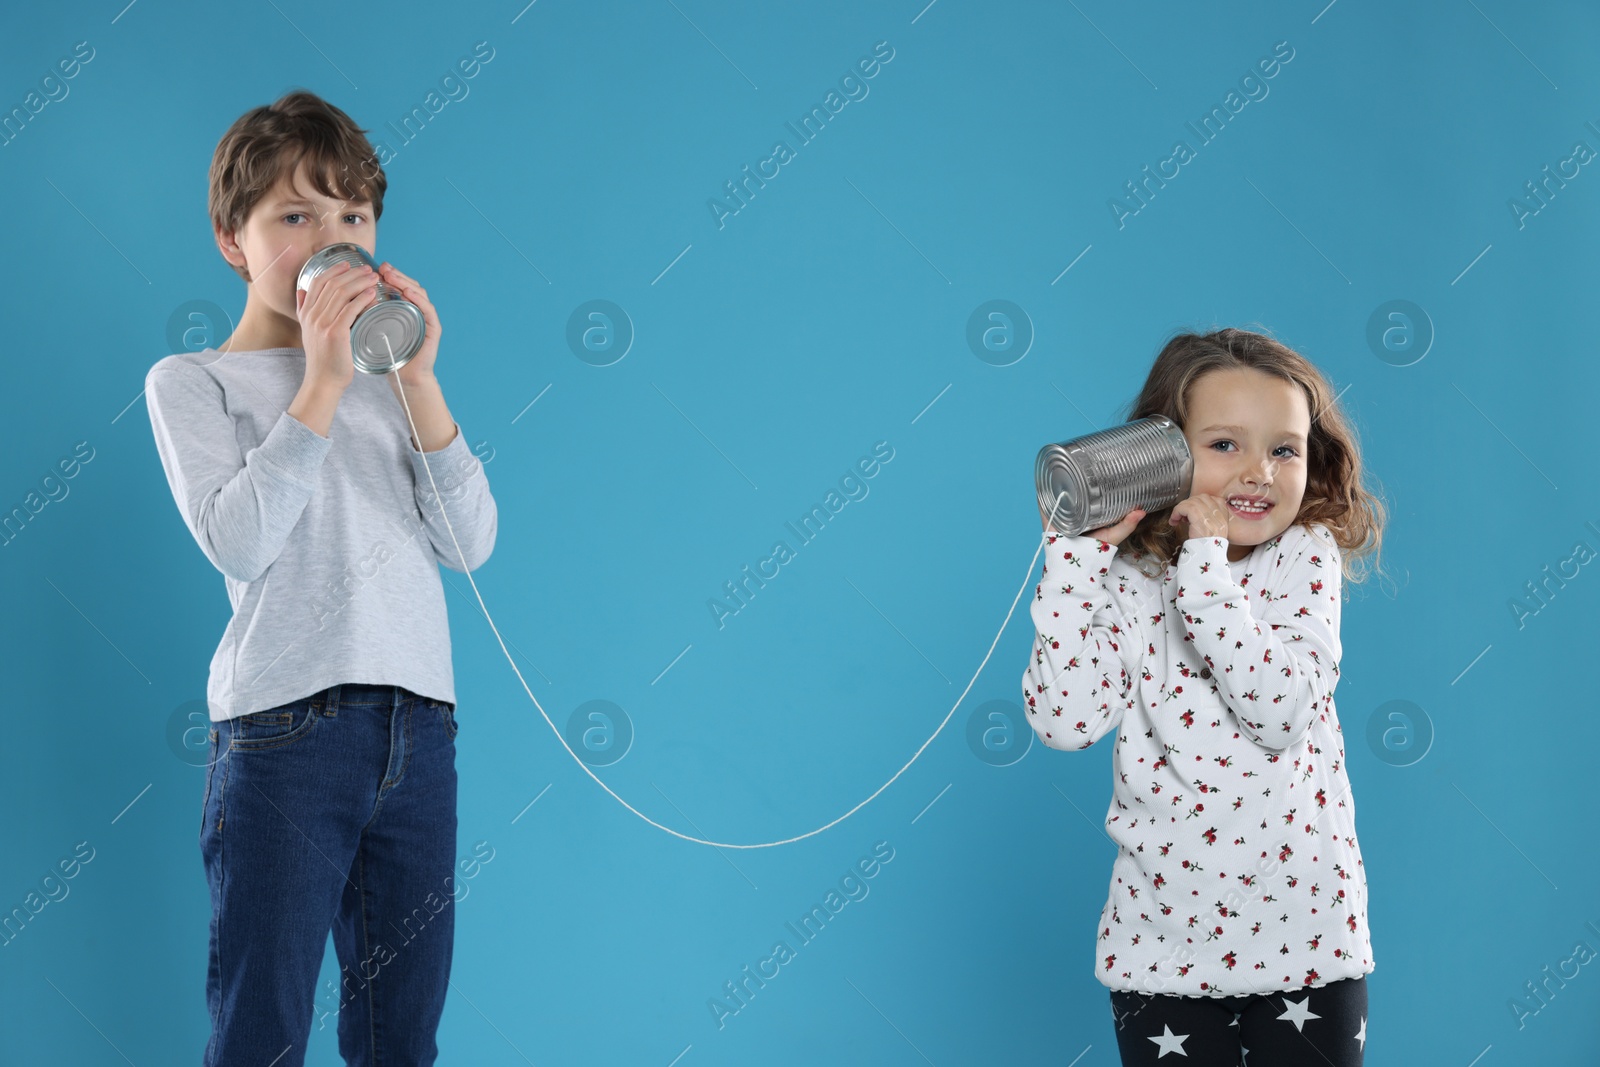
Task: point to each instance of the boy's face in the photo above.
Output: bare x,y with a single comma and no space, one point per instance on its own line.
287,226
1247,430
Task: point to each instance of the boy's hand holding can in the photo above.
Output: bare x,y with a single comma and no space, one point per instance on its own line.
327,311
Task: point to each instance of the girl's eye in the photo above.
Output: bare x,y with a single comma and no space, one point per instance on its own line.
1289,448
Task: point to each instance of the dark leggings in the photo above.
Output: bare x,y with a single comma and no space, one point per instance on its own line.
1262,1030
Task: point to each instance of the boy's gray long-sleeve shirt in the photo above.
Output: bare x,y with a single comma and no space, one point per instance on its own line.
329,546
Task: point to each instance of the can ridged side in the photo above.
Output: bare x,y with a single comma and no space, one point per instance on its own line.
1100,477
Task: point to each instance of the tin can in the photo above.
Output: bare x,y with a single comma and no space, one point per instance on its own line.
1097,479
389,331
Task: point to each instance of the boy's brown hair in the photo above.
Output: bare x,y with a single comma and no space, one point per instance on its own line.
267,142
1334,494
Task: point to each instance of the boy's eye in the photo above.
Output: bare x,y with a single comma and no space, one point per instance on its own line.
301,215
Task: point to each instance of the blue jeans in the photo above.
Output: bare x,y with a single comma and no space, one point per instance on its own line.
334,812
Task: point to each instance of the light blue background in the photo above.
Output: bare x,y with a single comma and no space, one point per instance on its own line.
829,314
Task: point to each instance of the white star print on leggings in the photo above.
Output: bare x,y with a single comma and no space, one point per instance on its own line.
1321,1024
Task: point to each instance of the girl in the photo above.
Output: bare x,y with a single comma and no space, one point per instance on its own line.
1207,637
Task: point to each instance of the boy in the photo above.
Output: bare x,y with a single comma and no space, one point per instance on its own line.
330,798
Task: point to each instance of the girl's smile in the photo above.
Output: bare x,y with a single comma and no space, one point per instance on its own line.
1248,509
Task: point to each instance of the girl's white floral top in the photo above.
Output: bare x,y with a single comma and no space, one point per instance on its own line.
1237,866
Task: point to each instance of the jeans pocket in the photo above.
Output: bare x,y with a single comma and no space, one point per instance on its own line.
211,769
447,714
273,728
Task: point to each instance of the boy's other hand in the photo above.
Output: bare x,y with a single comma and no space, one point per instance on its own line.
418,370
327,312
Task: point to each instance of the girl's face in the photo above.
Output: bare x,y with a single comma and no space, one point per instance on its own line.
1247,430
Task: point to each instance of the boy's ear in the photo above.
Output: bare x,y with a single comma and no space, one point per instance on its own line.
229,247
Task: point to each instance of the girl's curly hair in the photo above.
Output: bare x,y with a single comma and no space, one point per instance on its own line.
1334,495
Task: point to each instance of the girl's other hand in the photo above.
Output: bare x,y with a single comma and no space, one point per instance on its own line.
1207,516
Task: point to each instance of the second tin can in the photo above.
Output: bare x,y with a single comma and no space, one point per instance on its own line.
1097,479
389,331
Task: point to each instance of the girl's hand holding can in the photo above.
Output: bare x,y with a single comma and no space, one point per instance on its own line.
1206,515
327,311
1118,532
1114,534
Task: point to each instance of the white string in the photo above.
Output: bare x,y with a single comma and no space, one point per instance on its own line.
585,766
